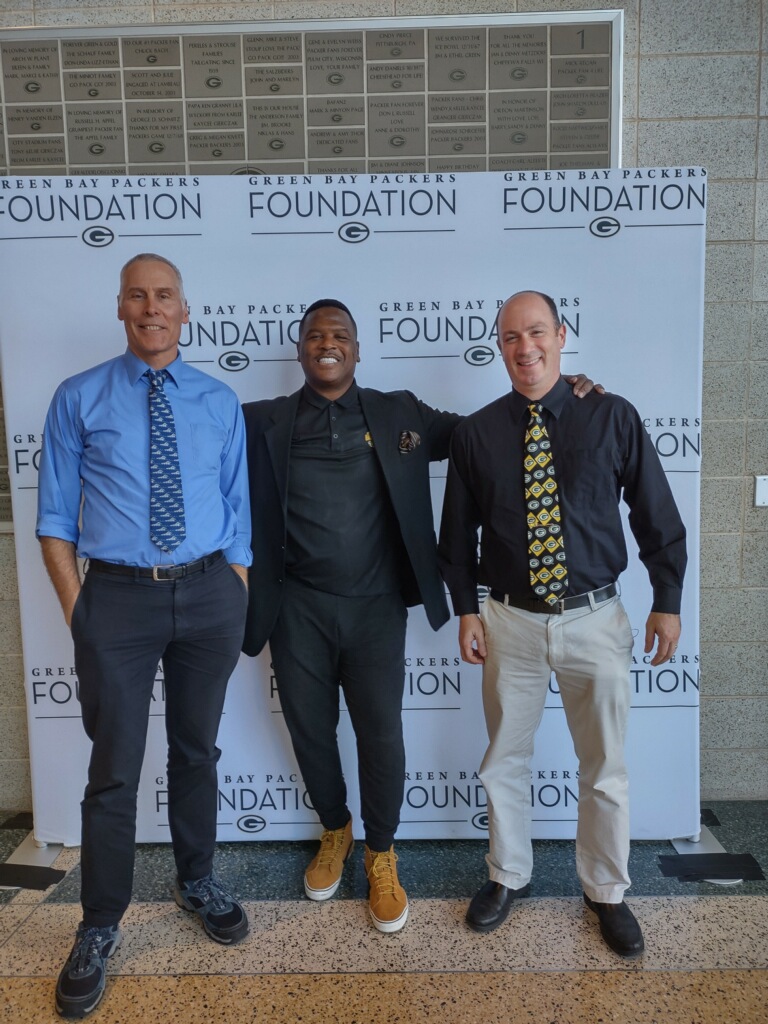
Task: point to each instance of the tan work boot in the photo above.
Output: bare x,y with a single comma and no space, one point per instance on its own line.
322,877
387,901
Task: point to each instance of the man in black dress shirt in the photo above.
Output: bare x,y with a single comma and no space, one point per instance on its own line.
599,449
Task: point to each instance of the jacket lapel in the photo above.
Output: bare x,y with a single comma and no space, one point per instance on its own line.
278,441
383,430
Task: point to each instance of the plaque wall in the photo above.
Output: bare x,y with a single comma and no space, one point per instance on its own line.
501,92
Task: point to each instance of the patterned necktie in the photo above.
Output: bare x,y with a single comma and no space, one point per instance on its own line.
546,554
167,528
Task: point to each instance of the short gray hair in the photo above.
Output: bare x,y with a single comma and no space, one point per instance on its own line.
152,257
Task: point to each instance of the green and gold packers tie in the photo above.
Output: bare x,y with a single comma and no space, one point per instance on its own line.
546,554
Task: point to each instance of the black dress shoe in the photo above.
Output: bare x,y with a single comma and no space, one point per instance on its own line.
619,927
491,905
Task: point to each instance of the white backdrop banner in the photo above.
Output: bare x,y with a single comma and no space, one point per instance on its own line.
423,261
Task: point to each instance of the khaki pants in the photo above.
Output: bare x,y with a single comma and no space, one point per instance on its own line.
589,650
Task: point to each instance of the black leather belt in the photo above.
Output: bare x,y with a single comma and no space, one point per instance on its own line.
534,604
159,573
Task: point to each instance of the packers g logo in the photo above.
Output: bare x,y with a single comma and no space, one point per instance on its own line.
605,227
251,823
233,361
480,820
353,232
97,236
479,355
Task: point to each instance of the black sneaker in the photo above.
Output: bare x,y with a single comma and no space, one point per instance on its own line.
223,917
83,978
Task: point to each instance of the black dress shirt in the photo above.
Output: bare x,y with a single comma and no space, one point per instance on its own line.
342,536
601,453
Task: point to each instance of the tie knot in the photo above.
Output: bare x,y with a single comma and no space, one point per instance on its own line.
535,409
156,379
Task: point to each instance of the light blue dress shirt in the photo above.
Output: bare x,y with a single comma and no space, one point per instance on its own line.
96,453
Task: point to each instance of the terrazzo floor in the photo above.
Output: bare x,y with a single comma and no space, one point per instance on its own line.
705,961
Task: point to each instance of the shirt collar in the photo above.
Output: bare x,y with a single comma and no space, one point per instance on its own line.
136,368
348,400
553,401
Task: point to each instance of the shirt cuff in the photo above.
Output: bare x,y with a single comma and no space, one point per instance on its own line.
47,527
667,600
238,555
465,602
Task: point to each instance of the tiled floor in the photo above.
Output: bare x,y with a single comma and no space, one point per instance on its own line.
705,963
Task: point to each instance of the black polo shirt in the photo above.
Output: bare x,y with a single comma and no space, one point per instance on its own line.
342,534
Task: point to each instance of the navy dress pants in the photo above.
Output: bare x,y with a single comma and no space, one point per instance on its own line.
122,627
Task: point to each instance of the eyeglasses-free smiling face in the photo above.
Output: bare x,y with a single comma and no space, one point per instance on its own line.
152,308
328,351
530,344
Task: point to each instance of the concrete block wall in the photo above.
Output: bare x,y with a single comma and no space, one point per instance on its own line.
695,92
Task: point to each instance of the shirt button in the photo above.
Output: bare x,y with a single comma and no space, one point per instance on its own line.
336,436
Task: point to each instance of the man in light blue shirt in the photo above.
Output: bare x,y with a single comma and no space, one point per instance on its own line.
167,549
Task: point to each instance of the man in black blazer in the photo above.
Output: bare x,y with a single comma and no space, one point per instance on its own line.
343,542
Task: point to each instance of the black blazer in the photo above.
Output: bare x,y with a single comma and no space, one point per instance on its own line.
269,428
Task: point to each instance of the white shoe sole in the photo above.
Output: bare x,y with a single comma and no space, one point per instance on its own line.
389,926
320,894
325,894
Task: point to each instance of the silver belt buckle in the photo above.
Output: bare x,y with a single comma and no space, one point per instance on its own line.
560,606
155,577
